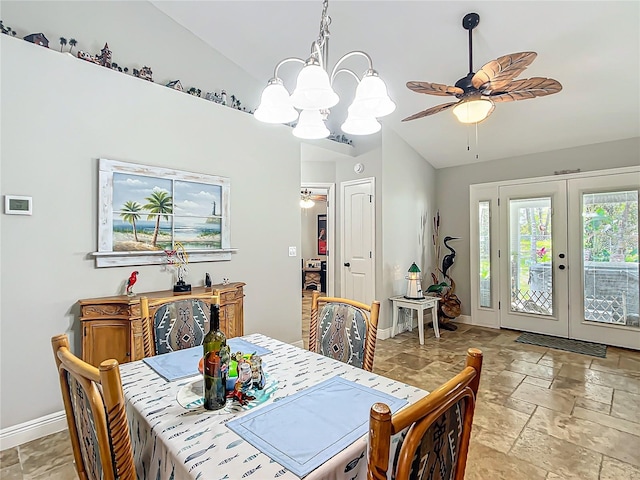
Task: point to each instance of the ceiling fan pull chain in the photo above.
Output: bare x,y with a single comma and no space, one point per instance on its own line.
477,156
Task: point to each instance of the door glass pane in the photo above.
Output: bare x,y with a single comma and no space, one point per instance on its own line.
484,235
531,276
610,252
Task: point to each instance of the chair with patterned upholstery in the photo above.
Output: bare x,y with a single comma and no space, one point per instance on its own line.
430,438
95,408
174,323
344,329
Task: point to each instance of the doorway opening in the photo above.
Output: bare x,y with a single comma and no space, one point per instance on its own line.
317,251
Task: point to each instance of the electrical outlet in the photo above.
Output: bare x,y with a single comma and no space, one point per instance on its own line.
292,251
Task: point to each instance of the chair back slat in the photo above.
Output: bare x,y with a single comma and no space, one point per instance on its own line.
434,432
95,410
344,329
174,323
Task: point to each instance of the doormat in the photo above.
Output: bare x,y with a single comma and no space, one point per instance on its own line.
575,346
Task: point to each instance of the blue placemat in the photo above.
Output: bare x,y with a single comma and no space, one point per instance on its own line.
238,344
176,365
184,363
304,430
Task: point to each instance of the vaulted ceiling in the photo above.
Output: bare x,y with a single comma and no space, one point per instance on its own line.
592,48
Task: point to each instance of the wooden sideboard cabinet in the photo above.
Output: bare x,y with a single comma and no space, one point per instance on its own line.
112,327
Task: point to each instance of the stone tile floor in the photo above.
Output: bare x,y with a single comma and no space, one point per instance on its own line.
541,413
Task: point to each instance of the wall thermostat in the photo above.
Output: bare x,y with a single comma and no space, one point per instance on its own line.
358,168
17,205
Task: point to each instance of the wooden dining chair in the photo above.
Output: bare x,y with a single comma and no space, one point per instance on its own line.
95,408
434,431
344,329
174,323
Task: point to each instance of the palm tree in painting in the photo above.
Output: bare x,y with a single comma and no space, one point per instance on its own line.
160,203
63,42
72,42
130,213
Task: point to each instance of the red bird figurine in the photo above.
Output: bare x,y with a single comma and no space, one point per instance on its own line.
131,282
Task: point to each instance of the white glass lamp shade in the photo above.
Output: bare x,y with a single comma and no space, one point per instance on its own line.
275,105
474,110
372,98
313,90
360,125
306,203
311,125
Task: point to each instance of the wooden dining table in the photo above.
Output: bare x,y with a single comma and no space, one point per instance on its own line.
173,439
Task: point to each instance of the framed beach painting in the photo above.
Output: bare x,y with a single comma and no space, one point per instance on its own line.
146,211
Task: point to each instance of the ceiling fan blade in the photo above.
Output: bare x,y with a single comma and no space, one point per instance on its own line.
434,88
497,73
527,88
430,111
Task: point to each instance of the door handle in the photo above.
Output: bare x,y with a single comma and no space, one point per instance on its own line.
561,267
347,264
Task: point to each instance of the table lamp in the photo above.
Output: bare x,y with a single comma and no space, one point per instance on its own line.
414,285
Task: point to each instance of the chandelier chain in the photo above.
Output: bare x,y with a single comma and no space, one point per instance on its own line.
325,21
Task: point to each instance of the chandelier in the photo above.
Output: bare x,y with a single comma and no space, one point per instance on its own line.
314,95
305,199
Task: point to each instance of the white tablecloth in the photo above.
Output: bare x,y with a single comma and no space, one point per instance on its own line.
174,443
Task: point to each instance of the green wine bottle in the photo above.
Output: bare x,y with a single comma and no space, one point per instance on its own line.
216,361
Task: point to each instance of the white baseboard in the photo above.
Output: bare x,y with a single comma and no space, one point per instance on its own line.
383,333
25,432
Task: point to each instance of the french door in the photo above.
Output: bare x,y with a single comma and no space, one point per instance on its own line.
533,258
568,258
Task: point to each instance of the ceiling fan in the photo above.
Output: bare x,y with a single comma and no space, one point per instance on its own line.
494,82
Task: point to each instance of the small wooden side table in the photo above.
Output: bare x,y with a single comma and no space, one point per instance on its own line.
419,306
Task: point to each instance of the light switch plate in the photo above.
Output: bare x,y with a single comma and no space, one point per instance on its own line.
292,251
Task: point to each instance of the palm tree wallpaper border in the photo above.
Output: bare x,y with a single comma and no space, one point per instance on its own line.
146,210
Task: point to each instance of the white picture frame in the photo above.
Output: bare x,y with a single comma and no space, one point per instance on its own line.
145,211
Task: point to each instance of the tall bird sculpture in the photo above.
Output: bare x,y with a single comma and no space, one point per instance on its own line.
448,260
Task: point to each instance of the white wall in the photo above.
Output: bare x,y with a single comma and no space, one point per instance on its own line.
453,190
138,34
404,198
59,115
408,199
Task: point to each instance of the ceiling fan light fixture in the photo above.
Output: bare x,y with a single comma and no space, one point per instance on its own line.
305,199
474,110
275,104
494,82
311,126
313,89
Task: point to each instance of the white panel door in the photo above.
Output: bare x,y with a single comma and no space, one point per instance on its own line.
534,258
358,234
